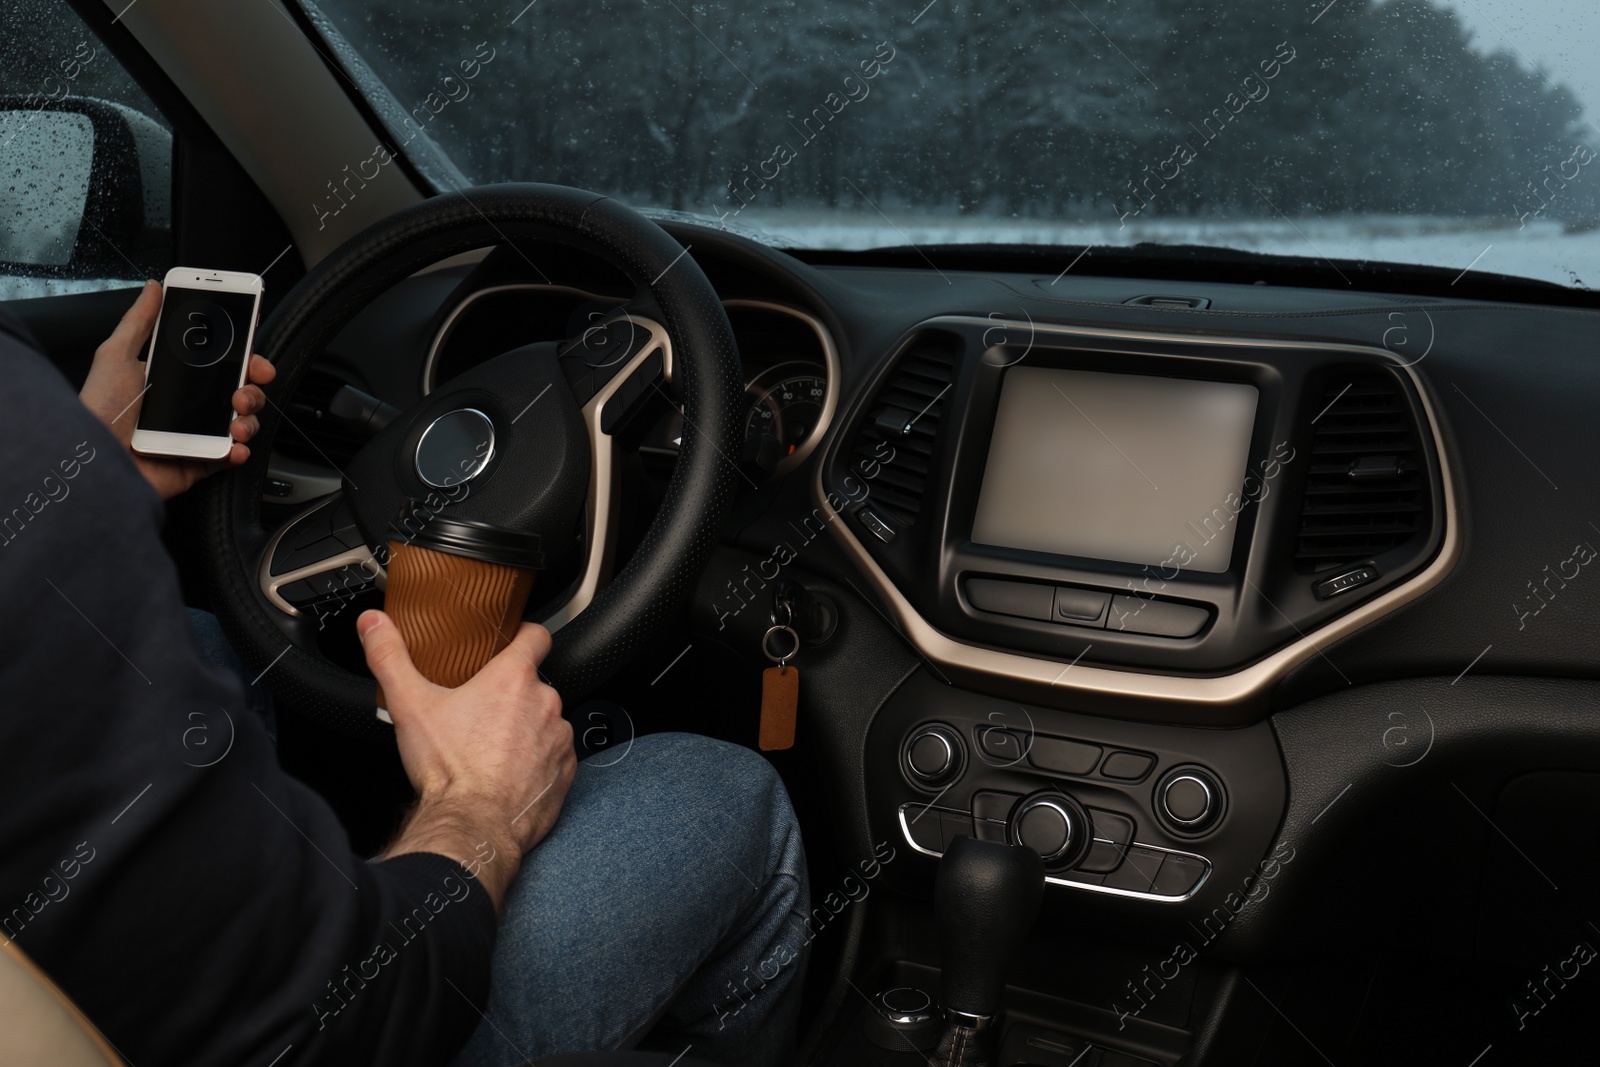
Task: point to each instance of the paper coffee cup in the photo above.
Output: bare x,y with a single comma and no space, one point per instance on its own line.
457,588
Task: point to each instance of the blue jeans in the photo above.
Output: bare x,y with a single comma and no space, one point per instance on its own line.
672,891
670,898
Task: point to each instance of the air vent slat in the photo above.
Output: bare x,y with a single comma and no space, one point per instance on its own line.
1365,426
915,388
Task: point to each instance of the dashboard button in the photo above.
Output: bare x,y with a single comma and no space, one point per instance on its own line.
924,827
987,804
933,756
999,744
1127,766
1138,871
1062,756
1046,830
991,831
955,824
1081,607
1103,856
1027,600
1084,877
1189,800
1178,875
1158,618
1109,826
878,528
1339,583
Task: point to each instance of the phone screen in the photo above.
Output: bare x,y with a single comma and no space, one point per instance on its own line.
194,369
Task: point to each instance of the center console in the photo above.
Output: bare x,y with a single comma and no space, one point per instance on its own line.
1109,546
1118,811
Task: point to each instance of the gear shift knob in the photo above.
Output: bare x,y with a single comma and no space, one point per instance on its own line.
986,897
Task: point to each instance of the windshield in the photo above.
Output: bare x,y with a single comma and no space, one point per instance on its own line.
1446,133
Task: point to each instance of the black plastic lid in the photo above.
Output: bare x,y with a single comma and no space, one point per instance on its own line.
418,525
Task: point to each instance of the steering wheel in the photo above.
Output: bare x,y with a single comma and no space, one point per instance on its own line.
524,440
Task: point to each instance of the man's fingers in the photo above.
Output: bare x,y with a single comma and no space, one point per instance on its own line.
532,644
248,400
134,329
244,427
261,370
387,657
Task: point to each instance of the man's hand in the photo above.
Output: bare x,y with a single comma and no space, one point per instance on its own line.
492,760
114,391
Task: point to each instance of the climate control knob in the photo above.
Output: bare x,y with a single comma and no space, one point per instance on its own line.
1053,825
933,755
1189,799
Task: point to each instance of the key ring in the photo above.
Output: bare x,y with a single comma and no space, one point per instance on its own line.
766,639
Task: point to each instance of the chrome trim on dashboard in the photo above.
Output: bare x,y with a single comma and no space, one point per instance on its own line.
429,362
604,486
1036,677
1158,898
830,362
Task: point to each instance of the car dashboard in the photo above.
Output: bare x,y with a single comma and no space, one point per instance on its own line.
1084,537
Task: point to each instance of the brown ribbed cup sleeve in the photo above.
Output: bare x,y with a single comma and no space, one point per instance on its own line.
455,613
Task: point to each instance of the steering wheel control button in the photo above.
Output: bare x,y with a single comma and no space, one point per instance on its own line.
1053,825
1179,875
1189,800
455,448
1127,766
635,392
1061,756
1341,583
1081,607
1157,618
1027,600
933,756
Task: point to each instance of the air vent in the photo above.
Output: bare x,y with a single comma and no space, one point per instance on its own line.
1366,492
906,414
315,436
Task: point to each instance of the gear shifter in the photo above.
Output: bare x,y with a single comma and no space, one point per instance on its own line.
986,898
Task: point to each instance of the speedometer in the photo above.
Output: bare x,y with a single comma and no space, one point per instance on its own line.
785,406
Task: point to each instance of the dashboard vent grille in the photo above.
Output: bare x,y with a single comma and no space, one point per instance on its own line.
1366,492
906,413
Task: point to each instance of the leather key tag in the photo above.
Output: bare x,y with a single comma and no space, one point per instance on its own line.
780,704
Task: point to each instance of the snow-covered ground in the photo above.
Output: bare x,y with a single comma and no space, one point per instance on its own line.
1542,249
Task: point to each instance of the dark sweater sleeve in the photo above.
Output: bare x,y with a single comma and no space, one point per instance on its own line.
199,904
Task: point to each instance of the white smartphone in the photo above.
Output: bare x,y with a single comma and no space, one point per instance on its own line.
199,356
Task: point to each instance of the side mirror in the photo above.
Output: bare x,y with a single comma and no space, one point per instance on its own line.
85,189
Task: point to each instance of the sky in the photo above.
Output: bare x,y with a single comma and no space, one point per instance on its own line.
1560,37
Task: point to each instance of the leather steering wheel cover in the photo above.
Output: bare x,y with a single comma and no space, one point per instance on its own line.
662,570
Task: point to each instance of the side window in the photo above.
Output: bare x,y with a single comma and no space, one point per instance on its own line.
85,160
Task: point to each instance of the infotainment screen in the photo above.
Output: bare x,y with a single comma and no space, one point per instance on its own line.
1123,467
